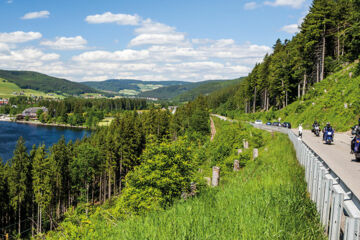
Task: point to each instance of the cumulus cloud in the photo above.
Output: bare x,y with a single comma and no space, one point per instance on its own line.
292,28
108,17
33,15
66,43
157,39
149,26
19,37
290,3
250,5
124,55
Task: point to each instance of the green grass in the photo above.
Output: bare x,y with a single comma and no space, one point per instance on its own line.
265,200
7,89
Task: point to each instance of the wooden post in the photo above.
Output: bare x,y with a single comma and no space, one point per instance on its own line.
215,176
236,165
245,144
255,153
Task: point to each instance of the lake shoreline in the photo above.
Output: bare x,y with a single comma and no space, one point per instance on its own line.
50,124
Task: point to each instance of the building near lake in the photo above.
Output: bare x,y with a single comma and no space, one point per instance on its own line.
32,112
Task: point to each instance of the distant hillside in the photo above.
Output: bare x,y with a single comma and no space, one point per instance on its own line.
188,91
130,86
44,83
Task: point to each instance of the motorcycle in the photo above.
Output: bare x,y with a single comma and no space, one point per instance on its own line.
329,137
356,149
317,131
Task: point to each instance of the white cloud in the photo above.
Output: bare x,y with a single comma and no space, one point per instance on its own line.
157,39
4,47
292,28
149,26
250,5
19,37
66,43
33,15
108,17
290,3
124,55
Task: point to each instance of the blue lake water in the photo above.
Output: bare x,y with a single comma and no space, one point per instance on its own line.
33,134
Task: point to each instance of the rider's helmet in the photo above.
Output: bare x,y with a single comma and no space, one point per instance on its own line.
317,123
328,124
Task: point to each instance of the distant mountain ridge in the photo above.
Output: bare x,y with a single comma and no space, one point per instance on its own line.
44,83
165,90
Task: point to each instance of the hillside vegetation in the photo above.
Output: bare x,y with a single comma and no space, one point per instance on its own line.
189,91
329,38
266,200
129,86
335,100
44,83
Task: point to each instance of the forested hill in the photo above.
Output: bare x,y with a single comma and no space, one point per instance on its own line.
328,39
45,83
189,91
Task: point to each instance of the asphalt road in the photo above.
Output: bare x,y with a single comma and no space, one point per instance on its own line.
337,156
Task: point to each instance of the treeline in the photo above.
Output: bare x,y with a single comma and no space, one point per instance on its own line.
39,187
74,111
329,37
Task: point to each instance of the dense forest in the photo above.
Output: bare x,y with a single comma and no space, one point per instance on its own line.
40,186
329,38
73,111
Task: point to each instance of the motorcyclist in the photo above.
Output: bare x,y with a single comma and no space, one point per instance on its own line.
315,124
326,129
356,132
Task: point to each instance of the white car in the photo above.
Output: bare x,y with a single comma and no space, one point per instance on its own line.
258,122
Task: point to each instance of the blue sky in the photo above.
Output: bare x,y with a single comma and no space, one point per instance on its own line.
87,40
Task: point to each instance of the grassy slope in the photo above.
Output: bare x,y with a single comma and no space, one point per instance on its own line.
265,200
324,102
45,83
7,89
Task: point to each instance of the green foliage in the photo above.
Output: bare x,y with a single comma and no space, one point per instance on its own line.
165,172
266,200
45,83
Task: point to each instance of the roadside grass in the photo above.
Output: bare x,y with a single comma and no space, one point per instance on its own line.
335,100
267,199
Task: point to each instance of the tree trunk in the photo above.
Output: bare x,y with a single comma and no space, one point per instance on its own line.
19,218
109,184
317,71
299,90
100,189
304,85
338,42
87,199
286,98
254,103
323,55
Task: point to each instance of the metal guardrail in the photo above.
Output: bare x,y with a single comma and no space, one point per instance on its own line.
338,207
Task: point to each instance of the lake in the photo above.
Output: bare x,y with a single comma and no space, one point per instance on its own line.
33,134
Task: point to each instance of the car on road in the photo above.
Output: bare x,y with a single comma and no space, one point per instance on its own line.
258,122
268,123
286,124
277,124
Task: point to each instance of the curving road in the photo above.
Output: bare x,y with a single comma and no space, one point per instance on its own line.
338,157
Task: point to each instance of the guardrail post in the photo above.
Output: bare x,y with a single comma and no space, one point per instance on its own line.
352,228
326,202
311,175
315,179
336,211
319,186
